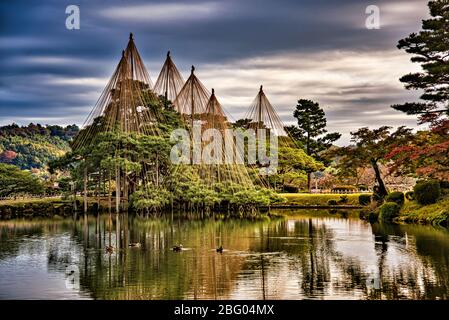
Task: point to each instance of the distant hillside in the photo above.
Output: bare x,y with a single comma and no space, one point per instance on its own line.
34,145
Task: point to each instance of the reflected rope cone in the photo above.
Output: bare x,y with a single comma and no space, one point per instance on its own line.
170,81
125,103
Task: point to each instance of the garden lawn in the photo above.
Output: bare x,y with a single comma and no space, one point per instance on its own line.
311,199
20,201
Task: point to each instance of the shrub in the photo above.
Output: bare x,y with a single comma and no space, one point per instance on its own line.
444,184
364,199
369,215
397,197
410,195
290,189
332,202
362,187
427,192
388,211
343,200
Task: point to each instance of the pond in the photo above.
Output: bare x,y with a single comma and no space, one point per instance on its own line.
303,255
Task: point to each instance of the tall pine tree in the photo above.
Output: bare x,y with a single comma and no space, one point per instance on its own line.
430,48
311,131
428,153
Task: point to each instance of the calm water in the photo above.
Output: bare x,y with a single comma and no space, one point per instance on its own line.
306,255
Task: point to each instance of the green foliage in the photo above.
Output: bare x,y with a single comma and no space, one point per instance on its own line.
389,211
410,195
370,148
242,123
444,184
150,198
311,133
332,202
144,160
311,130
293,166
343,200
317,199
250,198
427,192
436,214
14,181
34,145
64,184
429,48
397,197
364,199
362,187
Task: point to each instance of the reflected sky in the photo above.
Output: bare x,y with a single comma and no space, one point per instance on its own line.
305,255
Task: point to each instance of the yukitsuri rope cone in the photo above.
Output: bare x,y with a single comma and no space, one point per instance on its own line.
199,108
192,99
170,81
264,116
124,103
214,119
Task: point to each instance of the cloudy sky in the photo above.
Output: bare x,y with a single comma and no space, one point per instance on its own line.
314,49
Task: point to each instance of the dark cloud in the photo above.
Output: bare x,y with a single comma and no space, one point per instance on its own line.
49,71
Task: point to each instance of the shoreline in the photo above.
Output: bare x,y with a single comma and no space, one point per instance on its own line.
436,214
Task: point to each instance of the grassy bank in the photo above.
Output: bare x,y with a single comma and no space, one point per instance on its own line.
307,199
28,200
435,214
35,207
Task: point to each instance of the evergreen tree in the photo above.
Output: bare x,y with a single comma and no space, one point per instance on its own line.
427,153
14,181
311,131
429,48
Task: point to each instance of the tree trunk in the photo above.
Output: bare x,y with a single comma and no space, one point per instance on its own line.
125,191
109,193
157,170
309,174
117,190
382,189
309,181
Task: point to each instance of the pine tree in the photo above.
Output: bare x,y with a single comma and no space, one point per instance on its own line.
429,48
427,153
311,130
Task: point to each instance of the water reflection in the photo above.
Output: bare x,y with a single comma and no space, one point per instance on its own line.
306,255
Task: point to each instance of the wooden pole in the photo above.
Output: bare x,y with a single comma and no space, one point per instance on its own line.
166,79
117,190
74,196
99,190
110,193
157,170
191,97
85,187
